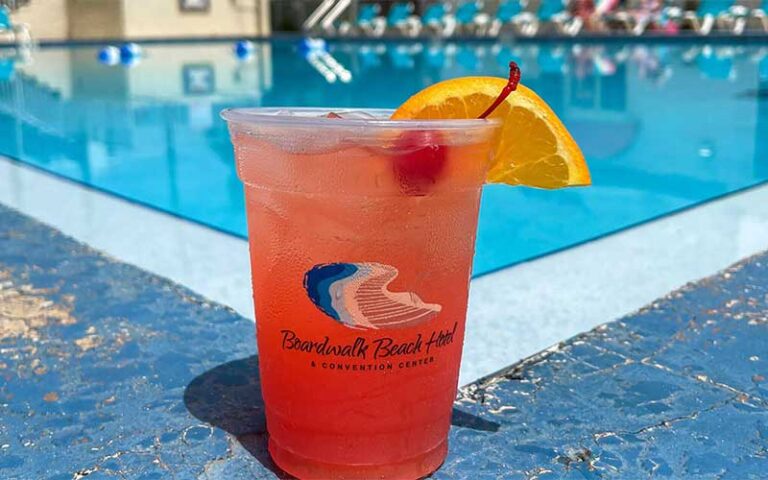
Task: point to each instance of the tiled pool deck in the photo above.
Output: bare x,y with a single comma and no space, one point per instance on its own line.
107,371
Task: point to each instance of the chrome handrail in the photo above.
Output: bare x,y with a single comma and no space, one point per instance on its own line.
334,13
318,14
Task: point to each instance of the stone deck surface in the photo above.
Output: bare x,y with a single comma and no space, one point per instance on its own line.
107,371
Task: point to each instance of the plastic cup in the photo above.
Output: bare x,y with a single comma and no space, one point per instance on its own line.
362,234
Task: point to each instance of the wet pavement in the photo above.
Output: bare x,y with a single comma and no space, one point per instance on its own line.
107,371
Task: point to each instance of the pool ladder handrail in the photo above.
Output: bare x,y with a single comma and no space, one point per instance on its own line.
326,13
335,12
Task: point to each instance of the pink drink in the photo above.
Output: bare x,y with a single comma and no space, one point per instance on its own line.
361,236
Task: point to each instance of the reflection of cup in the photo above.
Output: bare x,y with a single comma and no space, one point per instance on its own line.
361,236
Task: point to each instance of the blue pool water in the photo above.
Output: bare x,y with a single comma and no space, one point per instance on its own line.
664,127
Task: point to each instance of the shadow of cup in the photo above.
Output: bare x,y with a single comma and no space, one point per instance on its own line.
228,396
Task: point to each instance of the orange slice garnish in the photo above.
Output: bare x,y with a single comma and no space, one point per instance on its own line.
533,147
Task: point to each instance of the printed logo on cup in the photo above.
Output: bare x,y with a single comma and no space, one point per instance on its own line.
356,295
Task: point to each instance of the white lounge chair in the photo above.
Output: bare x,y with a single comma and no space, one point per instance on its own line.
708,15
510,13
552,13
437,20
749,12
635,17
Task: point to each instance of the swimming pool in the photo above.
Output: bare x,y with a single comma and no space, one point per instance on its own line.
664,127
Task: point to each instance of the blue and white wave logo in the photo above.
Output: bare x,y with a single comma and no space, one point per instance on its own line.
356,295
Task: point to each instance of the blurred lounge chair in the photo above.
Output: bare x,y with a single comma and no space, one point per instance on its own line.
636,17
553,13
437,19
707,15
368,22
470,18
401,19
760,14
10,33
526,23
509,13
746,12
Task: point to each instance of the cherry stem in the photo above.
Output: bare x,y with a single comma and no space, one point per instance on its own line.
511,86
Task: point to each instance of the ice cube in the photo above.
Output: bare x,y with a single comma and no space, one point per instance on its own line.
358,115
350,115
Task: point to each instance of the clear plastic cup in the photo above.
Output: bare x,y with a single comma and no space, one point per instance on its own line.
362,234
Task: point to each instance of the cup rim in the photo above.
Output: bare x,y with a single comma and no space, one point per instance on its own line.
311,117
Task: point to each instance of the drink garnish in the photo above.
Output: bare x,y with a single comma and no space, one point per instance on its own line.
533,147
